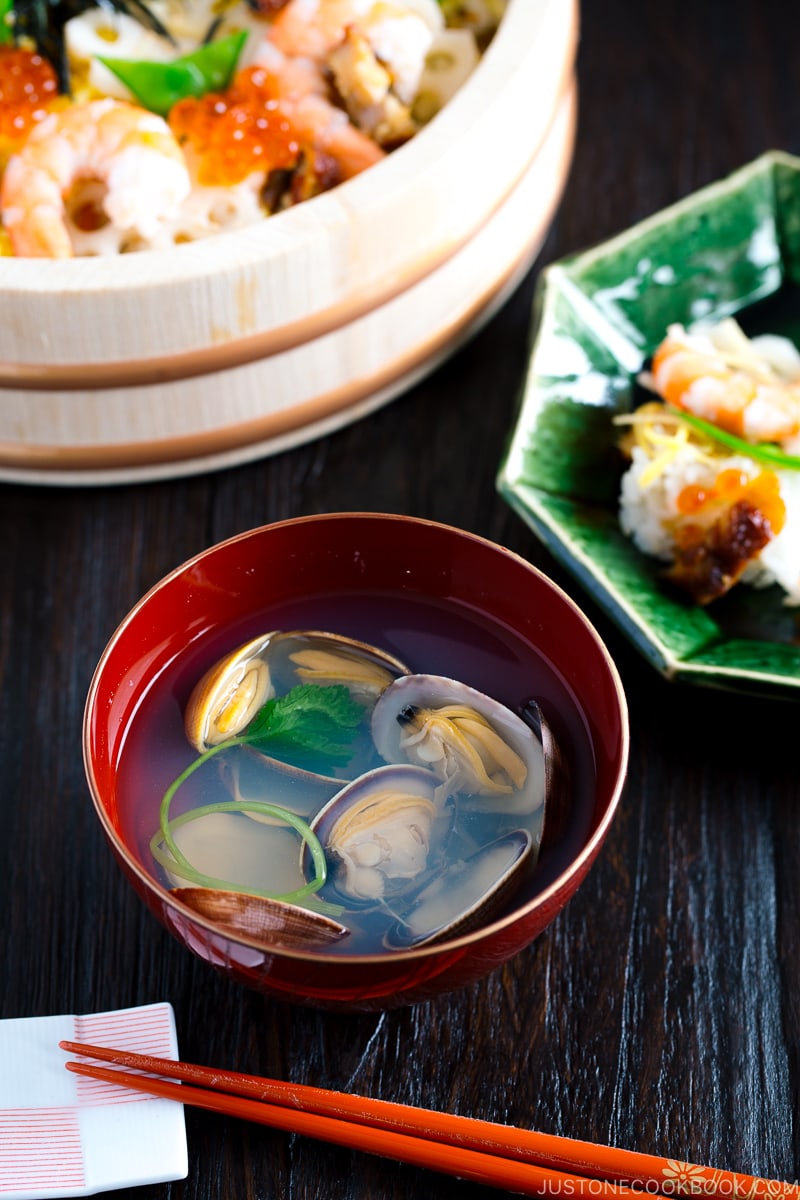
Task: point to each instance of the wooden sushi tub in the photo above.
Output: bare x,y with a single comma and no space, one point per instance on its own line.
174,362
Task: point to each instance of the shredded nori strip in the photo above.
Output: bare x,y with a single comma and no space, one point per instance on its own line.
42,23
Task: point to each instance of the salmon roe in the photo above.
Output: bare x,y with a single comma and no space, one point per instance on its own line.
236,132
732,485
28,85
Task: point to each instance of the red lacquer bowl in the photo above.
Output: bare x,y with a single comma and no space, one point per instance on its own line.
450,603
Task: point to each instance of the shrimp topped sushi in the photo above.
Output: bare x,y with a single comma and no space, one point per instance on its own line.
712,488
748,387
126,151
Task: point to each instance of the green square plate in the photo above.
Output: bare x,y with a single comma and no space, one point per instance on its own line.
732,248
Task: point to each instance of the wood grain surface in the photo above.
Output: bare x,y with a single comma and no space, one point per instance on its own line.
661,1010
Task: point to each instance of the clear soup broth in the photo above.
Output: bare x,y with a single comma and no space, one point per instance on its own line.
429,637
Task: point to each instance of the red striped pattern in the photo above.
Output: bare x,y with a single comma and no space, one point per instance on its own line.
40,1150
146,1030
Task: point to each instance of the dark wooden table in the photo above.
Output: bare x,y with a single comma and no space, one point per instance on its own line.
661,1010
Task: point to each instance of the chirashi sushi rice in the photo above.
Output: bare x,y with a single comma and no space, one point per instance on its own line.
138,124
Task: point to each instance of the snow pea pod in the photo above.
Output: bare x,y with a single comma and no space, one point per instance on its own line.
160,85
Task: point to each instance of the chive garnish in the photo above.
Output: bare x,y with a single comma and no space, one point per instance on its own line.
765,452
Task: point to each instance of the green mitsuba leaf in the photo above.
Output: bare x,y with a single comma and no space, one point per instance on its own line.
310,718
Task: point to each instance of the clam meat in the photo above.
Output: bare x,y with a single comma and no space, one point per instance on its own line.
226,698
475,745
379,831
310,656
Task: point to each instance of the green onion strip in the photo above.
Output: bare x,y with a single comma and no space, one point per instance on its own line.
177,862
761,451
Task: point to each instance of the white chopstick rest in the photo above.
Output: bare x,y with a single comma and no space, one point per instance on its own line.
65,1136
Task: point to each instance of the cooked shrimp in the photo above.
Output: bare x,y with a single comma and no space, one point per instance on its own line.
740,385
374,51
301,92
291,76
317,121
128,151
311,28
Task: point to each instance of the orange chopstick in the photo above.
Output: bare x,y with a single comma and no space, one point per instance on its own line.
522,1178
480,1150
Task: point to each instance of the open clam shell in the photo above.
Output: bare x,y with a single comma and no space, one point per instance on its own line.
252,777
557,775
225,699
474,744
230,693
466,894
261,920
380,830
312,656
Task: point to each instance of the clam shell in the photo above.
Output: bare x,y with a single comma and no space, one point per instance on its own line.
313,656
466,894
228,696
557,776
264,922
379,830
225,699
500,765
250,775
